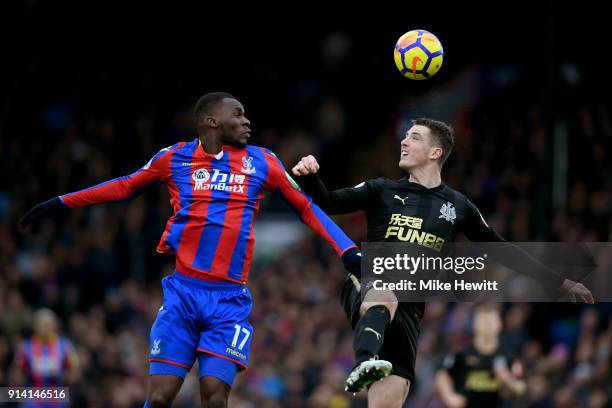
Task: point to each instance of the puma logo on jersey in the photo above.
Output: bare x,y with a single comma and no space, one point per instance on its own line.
403,200
373,331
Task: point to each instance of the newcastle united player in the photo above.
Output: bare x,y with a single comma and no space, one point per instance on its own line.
476,375
422,210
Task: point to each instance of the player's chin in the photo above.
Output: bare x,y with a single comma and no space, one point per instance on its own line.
404,165
242,140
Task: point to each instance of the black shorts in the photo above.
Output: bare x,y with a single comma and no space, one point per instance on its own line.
401,337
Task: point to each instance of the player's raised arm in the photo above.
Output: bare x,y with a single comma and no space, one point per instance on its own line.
515,258
112,190
281,182
341,201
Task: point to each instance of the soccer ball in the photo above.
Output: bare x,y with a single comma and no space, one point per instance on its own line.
418,54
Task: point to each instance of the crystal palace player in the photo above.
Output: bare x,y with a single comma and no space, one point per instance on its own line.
47,359
216,183
398,211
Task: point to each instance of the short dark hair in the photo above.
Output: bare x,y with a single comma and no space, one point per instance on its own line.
206,102
444,135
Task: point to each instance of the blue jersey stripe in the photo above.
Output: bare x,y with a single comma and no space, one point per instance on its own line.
215,218
185,194
343,241
239,256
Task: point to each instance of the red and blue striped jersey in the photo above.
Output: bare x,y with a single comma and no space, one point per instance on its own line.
44,363
215,199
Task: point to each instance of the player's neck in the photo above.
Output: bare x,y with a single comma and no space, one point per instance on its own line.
47,338
427,177
211,144
486,344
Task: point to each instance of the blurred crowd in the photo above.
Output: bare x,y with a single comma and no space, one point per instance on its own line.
98,271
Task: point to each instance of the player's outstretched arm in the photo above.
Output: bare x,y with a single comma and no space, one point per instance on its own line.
113,190
281,182
341,201
517,259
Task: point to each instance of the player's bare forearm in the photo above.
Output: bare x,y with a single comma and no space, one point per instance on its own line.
503,374
444,384
446,390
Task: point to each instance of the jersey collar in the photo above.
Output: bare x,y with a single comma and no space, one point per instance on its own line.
200,152
406,179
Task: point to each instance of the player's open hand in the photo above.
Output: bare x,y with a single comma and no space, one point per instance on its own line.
41,210
308,165
576,291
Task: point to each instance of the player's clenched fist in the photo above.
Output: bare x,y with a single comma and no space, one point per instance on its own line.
308,165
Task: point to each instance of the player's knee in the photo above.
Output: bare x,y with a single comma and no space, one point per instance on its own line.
159,399
391,307
217,399
383,297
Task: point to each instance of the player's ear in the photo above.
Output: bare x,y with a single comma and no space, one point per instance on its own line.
211,121
436,153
